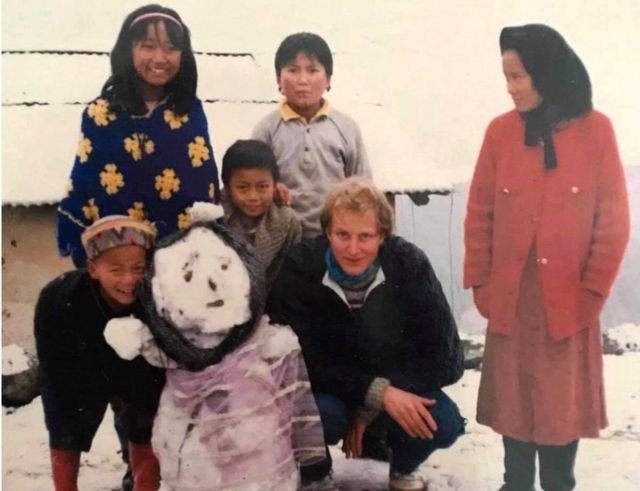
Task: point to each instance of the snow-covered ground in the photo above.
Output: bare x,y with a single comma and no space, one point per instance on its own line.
474,463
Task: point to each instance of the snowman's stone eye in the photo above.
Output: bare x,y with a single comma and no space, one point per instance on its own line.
188,275
224,263
212,285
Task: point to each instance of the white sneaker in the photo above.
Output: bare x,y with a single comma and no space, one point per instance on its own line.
325,484
406,482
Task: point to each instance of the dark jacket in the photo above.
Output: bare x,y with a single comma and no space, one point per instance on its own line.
404,332
79,372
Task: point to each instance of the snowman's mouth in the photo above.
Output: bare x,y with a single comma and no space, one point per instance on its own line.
217,303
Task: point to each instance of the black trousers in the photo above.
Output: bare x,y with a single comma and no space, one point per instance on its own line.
556,465
74,411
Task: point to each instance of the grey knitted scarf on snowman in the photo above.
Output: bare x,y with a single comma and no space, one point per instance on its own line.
169,338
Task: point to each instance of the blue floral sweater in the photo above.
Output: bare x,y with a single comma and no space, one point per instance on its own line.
153,167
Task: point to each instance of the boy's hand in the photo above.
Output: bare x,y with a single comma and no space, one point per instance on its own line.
352,443
282,195
126,335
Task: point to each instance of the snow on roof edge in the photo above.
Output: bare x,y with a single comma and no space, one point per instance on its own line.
30,203
437,190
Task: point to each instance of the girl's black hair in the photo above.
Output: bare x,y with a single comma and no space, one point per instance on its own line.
248,154
556,70
122,89
308,43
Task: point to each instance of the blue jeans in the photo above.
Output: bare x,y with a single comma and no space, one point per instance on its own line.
407,452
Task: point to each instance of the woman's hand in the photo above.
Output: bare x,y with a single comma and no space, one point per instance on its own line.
352,443
410,412
282,195
482,299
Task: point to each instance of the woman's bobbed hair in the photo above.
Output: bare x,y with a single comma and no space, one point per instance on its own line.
122,89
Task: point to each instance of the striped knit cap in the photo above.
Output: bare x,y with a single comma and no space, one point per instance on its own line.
114,231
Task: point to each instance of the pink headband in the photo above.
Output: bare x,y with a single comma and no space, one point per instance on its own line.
155,14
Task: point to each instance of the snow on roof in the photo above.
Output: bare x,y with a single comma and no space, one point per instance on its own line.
422,79
41,120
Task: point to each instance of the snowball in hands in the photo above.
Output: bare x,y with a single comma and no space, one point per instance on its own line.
126,335
205,212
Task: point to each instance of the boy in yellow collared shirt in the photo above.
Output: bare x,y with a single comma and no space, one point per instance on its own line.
315,145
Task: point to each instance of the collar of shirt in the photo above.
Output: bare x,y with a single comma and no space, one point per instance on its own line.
287,113
329,282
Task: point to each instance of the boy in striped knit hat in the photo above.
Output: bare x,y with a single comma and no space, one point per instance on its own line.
79,373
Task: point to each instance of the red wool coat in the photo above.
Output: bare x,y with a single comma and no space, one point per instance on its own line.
576,216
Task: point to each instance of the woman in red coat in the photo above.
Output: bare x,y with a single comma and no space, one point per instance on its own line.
546,228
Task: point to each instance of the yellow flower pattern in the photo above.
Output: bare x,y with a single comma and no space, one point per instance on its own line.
91,210
184,219
198,151
137,143
132,145
84,149
167,183
124,163
137,210
149,147
100,113
173,120
111,179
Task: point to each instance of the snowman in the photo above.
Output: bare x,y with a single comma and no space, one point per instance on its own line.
237,412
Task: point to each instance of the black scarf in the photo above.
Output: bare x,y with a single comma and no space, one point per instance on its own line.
538,129
170,339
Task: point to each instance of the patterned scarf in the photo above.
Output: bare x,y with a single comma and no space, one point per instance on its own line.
354,287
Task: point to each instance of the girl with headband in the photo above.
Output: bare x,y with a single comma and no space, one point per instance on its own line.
144,148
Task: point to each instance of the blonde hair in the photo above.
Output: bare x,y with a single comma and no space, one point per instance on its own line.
358,194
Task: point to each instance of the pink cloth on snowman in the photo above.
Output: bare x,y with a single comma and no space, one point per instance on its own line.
246,421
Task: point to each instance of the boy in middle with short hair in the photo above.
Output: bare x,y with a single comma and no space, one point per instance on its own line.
250,174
